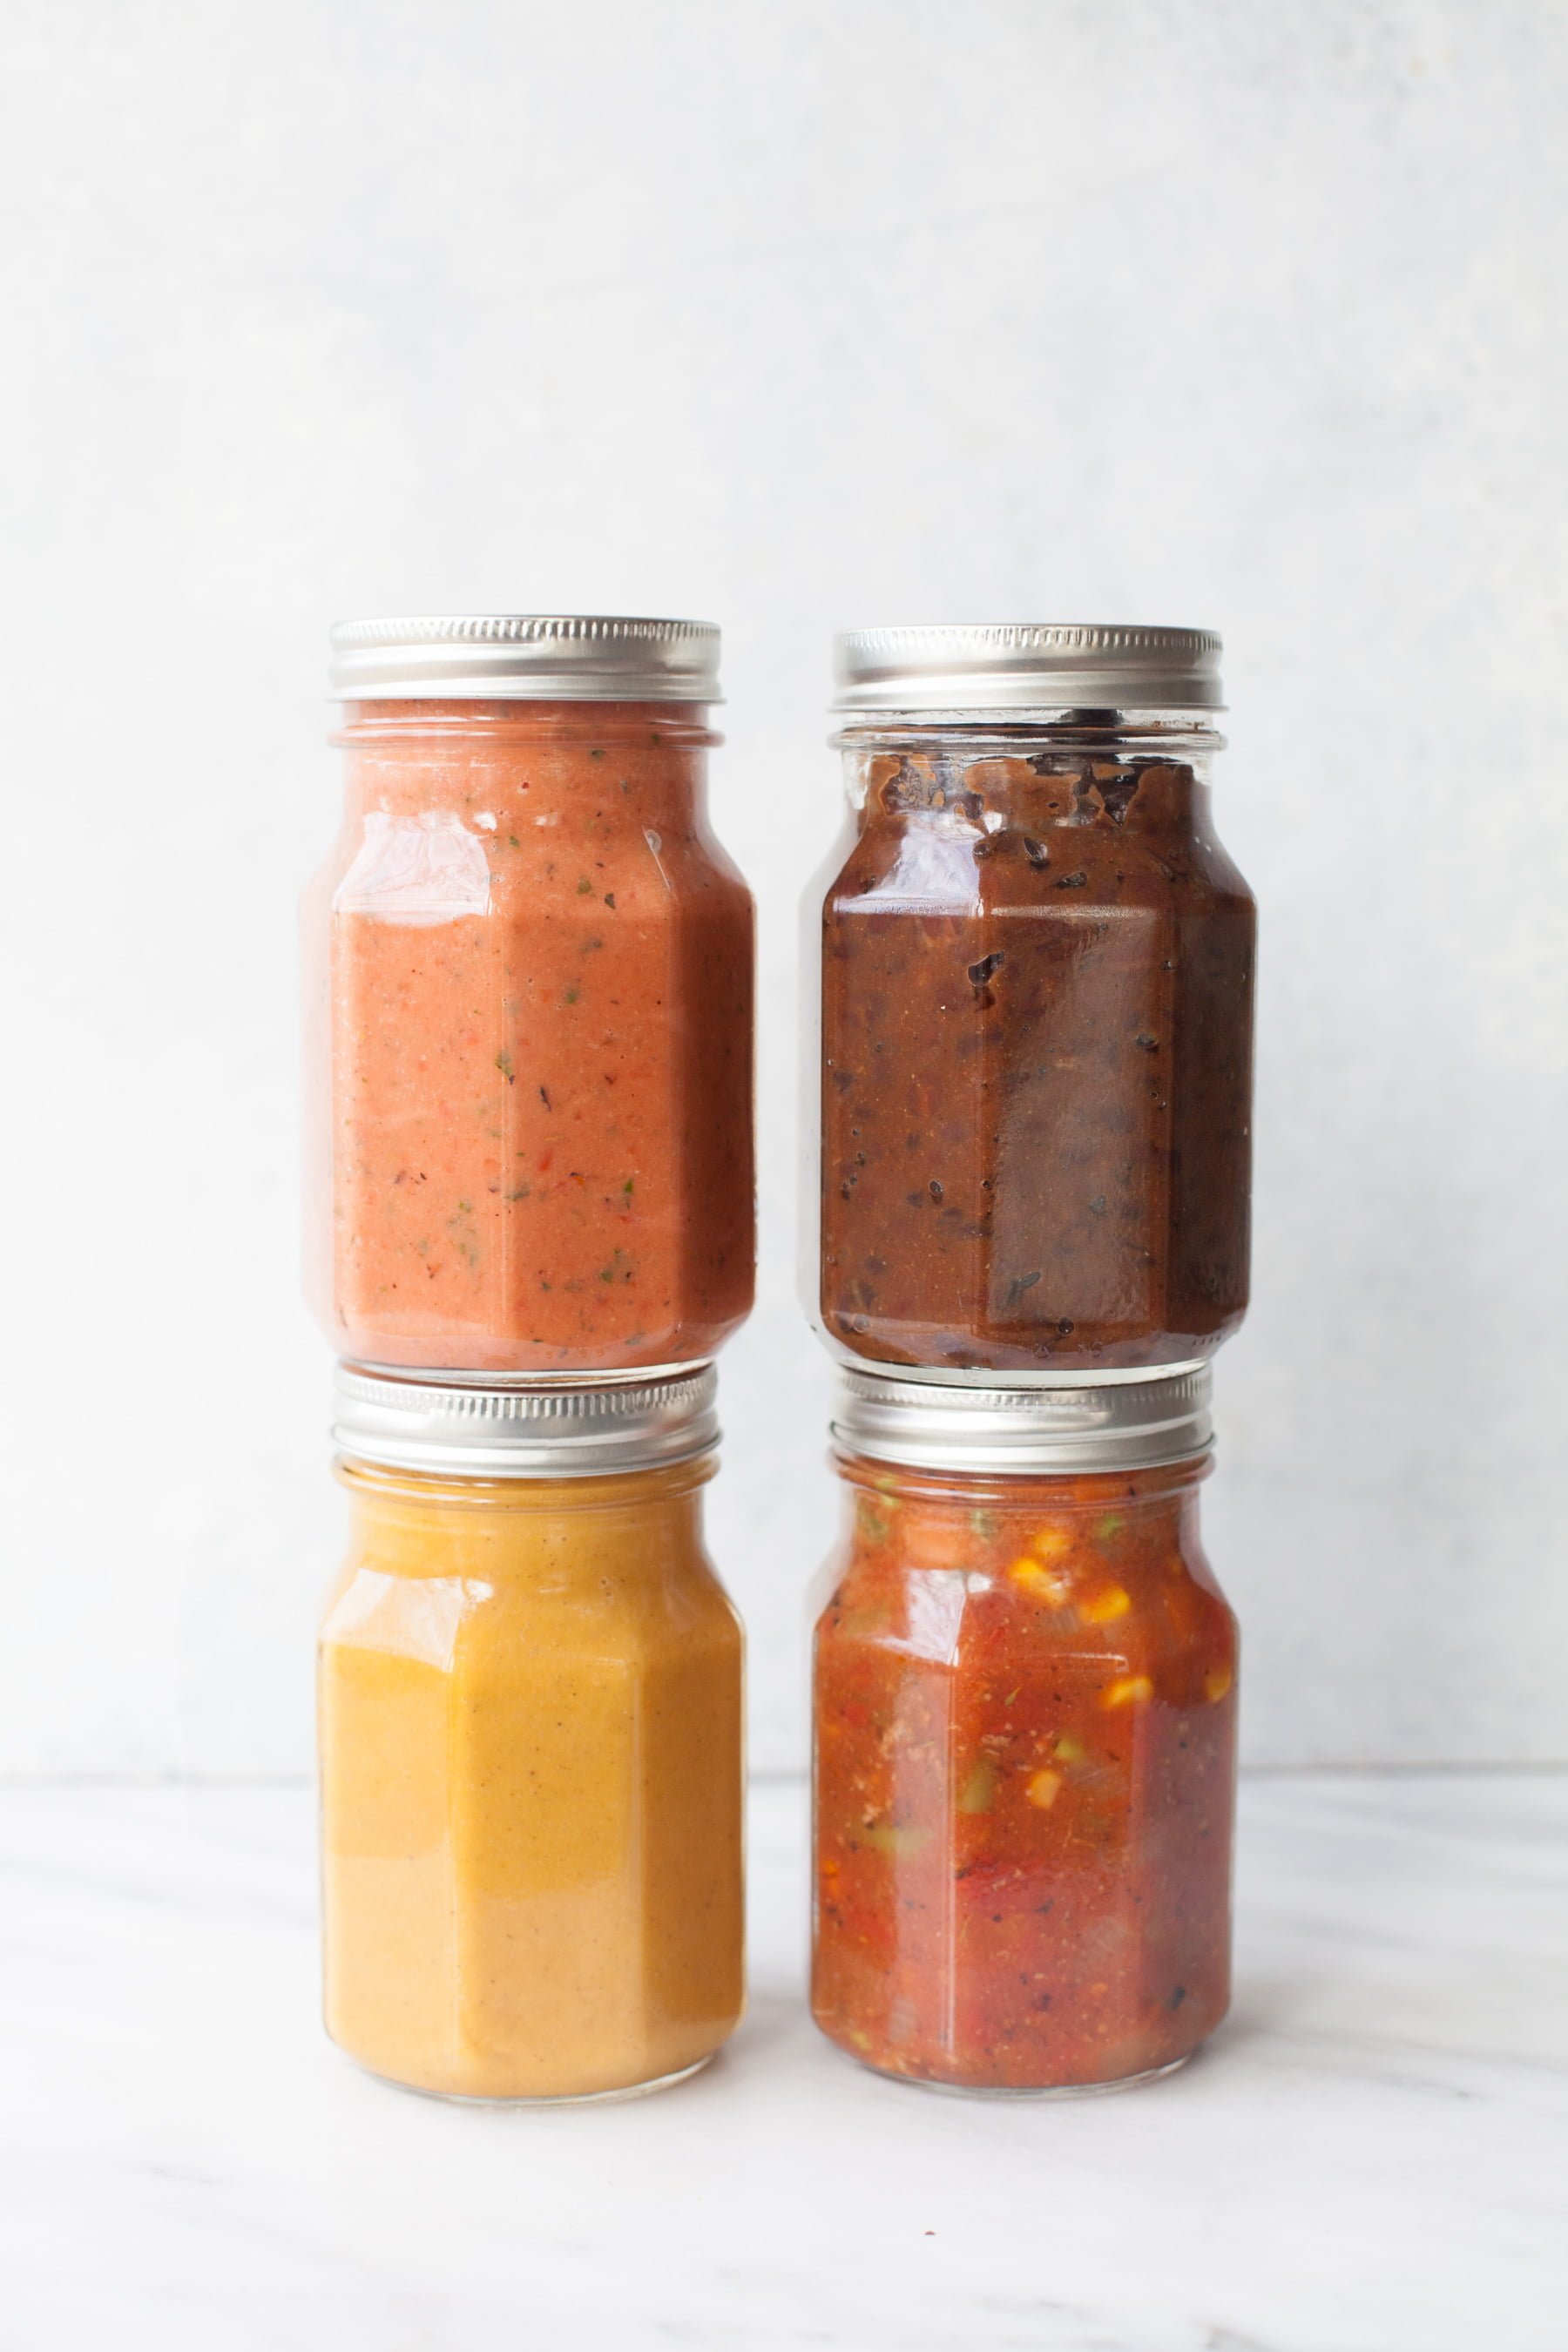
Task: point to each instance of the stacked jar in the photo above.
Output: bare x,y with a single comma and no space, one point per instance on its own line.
530,968
1031,1193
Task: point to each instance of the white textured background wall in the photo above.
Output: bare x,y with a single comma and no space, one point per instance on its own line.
792,315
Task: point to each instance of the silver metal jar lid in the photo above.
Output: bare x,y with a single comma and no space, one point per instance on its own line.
1125,1425
410,1422
981,666
525,656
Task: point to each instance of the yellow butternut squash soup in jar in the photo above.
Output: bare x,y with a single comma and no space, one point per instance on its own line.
530,1719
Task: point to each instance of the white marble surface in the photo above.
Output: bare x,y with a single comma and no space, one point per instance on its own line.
1371,2157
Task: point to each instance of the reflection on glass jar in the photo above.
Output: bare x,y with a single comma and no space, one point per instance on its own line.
1036,990
1025,1719
531,1769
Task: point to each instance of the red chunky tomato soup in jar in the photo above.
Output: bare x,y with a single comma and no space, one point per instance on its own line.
1024,1729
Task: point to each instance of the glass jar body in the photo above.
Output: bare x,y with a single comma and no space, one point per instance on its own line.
1035,1032
530,976
529,1724
1025,1714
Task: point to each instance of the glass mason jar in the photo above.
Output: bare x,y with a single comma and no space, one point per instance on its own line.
531,978
1024,1711
529,1724
1035,1010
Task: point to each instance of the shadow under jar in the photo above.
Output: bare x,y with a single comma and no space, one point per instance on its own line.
1024,1729
1036,998
530,980
530,1685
